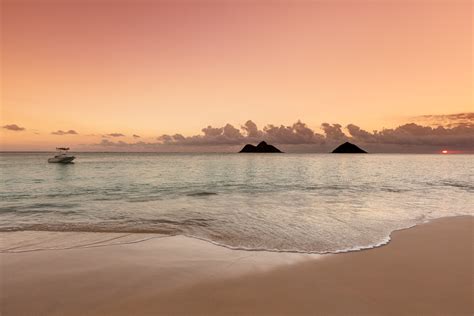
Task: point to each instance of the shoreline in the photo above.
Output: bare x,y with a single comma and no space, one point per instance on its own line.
156,235
424,269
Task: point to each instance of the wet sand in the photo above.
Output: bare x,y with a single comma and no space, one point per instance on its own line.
425,270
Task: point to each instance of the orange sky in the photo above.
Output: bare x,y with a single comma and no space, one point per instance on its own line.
155,67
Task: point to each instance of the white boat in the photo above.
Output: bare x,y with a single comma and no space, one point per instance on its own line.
62,156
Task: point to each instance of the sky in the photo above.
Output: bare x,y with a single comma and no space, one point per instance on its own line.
131,75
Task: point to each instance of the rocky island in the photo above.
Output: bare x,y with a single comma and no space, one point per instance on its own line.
262,147
348,148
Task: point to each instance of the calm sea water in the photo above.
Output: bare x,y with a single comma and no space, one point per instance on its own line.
286,202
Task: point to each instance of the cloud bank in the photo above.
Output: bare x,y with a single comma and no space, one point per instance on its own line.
13,127
408,137
413,134
298,133
61,132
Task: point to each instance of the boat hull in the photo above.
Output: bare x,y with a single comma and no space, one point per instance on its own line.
62,159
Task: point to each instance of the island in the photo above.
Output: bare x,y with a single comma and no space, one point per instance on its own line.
262,147
348,148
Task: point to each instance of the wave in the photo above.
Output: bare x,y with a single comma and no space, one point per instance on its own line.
203,193
119,224
105,242
114,241
465,186
461,185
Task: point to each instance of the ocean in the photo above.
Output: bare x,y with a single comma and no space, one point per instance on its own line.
314,203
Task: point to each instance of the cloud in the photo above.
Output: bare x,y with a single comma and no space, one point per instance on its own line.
61,132
13,127
447,120
414,134
333,132
251,129
357,133
114,135
105,143
299,137
298,133
136,136
108,143
227,135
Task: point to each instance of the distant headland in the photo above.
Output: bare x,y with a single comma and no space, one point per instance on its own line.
348,148
262,147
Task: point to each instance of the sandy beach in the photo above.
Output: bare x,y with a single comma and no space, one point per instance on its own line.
425,270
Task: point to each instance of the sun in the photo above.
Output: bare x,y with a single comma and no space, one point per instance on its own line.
444,151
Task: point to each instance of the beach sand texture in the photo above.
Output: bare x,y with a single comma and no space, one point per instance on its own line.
425,270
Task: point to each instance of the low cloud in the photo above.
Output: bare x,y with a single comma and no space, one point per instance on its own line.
298,133
334,132
414,134
299,137
114,135
251,129
108,143
13,127
446,120
61,132
136,136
